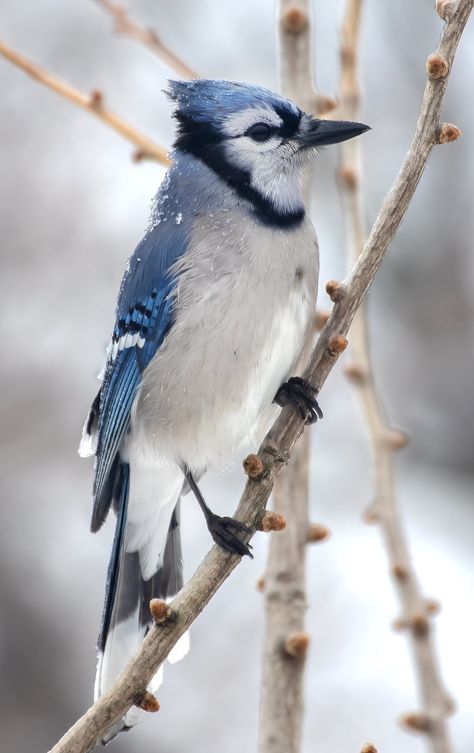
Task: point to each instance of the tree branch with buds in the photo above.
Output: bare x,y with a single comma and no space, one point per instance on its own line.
384,440
93,103
130,687
147,37
286,642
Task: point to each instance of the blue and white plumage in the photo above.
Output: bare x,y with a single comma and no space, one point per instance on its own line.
212,318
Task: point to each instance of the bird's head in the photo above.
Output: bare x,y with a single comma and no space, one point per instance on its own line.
254,139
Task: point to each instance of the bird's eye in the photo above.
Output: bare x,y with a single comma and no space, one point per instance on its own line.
259,132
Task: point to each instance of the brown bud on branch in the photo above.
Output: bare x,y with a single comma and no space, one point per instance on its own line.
436,66
149,703
254,467
372,515
348,177
415,721
160,611
335,290
399,572
317,532
419,625
296,645
271,521
369,748
355,373
432,607
337,344
448,132
294,20
396,439
96,99
138,155
325,104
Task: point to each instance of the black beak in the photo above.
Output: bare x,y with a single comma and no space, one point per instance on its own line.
316,132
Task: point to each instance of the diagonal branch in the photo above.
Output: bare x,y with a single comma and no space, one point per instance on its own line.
277,445
93,103
148,37
416,611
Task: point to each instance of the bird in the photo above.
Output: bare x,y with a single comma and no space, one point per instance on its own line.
212,323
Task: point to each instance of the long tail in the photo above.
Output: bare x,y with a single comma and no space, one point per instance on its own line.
126,615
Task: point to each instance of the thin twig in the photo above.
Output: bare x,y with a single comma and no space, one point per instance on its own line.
383,439
275,450
296,57
148,37
282,697
93,103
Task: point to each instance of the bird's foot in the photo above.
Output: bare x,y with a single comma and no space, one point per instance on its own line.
225,532
302,394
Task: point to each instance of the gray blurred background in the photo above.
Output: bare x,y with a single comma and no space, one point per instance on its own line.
72,208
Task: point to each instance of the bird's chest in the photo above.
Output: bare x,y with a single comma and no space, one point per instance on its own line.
279,323
249,296
243,307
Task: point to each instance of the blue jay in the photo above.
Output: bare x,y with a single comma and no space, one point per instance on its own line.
212,318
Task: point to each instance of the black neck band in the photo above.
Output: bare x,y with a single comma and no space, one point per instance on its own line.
208,148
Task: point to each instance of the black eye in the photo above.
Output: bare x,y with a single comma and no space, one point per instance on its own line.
259,132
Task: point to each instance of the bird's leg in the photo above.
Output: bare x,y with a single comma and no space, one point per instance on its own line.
225,531
302,394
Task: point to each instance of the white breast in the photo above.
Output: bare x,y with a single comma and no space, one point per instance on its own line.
244,304
278,361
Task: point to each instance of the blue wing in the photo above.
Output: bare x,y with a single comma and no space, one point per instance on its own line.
144,317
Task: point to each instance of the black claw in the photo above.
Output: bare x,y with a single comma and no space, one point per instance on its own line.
225,532
300,393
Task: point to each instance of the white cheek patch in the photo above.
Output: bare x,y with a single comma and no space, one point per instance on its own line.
276,178
247,154
237,124
282,187
275,168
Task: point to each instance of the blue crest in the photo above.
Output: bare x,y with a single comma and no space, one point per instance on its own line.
210,101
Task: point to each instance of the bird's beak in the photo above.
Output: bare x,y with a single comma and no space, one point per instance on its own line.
317,132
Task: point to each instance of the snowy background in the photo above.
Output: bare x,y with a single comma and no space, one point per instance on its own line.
72,208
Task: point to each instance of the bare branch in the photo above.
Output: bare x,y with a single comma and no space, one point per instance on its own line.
93,103
285,642
284,648
148,37
383,439
277,445
296,57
